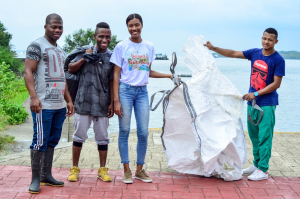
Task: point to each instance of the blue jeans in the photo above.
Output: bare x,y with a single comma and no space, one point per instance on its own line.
134,97
47,132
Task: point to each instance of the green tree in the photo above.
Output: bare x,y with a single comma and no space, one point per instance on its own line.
7,55
113,42
85,37
5,37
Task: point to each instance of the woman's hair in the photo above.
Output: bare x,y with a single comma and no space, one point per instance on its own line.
132,16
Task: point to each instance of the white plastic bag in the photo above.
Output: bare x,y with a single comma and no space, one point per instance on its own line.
202,128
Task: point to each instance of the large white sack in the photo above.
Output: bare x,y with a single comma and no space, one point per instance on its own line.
202,146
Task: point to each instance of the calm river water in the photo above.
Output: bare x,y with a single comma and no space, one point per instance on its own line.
238,72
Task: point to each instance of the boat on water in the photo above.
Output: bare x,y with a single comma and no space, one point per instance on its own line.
161,57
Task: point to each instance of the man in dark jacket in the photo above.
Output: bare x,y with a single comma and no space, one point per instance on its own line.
94,98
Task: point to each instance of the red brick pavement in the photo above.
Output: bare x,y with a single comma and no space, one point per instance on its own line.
14,182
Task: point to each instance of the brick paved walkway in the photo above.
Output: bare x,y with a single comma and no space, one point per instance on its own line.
14,182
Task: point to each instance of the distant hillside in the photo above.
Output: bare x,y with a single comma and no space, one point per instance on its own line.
284,54
290,54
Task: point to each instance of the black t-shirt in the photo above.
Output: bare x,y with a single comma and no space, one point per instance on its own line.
93,95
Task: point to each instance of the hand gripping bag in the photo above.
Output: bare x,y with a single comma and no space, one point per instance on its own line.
202,128
73,78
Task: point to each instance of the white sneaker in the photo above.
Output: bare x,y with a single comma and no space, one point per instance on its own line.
250,170
258,175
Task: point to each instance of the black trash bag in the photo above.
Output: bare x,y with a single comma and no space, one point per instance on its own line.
73,82
92,57
73,78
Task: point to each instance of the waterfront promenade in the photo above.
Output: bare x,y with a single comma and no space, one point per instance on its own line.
15,173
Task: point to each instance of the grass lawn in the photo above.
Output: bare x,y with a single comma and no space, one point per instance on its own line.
2,123
19,93
4,140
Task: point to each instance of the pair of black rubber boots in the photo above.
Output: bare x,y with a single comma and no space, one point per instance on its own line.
41,166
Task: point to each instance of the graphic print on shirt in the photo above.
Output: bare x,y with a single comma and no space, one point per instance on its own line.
259,75
138,62
54,74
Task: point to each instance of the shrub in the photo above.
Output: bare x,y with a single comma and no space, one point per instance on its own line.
8,57
6,76
15,114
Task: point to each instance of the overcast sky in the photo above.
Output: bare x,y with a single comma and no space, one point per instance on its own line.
234,24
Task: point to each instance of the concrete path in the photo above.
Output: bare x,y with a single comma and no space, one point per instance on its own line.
15,180
285,160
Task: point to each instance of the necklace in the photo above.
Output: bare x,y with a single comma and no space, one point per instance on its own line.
137,50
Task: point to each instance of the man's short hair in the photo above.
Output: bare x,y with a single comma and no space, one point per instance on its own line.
53,16
272,31
101,25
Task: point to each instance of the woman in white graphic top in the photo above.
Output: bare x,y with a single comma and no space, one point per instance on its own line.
132,59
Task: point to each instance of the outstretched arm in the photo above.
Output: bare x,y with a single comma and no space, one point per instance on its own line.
155,74
225,52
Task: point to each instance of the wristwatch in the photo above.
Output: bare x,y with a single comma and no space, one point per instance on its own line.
256,94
